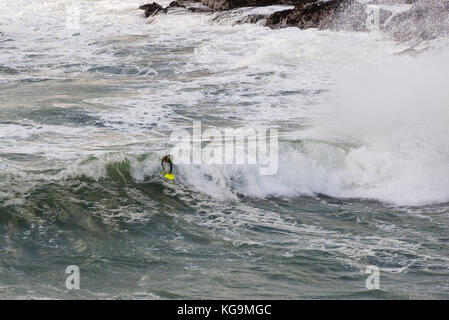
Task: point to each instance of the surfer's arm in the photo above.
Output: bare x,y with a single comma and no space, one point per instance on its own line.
171,166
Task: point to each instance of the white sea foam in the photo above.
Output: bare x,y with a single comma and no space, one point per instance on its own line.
356,121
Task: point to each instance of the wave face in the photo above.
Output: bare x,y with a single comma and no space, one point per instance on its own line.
86,112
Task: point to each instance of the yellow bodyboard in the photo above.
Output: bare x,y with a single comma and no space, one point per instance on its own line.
168,176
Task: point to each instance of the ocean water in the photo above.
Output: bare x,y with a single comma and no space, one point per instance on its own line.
86,112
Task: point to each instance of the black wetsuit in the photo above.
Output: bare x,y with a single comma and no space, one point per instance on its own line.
169,162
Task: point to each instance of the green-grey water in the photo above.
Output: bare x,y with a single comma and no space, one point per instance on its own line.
86,114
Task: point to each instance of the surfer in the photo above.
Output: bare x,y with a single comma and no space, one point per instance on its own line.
166,160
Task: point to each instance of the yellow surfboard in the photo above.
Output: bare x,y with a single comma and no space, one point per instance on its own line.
168,176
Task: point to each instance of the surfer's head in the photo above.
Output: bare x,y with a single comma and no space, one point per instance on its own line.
166,158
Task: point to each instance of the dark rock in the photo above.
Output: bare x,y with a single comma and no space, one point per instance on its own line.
179,3
199,9
191,5
229,16
334,14
223,5
425,20
152,9
252,18
186,4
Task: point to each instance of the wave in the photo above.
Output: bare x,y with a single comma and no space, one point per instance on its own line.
383,137
411,175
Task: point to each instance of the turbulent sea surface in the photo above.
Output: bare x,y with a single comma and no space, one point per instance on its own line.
86,114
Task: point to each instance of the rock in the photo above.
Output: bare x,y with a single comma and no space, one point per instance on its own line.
191,5
425,20
179,3
229,16
333,15
252,18
223,5
199,9
152,9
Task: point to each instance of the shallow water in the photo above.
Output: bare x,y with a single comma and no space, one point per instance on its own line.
86,113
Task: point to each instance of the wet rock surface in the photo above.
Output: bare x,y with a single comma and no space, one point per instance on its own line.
425,20
192,5
152,9
223,5
335,15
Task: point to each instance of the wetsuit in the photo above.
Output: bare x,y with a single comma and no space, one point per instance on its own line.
169,162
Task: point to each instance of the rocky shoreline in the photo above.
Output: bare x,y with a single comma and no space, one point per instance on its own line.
424,20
